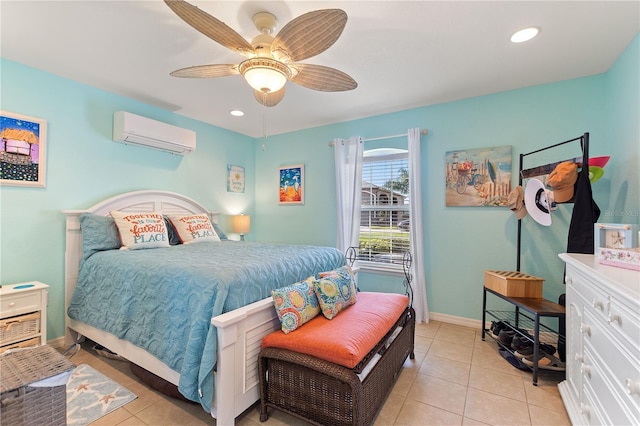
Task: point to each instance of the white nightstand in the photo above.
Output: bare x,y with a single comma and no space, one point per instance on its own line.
23,315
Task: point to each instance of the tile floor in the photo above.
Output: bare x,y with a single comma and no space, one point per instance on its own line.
455,379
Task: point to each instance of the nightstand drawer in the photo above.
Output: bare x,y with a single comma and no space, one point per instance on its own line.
23,344
19,328
20,303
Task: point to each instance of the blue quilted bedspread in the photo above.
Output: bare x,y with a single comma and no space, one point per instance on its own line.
163,299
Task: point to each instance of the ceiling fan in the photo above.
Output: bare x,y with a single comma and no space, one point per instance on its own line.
272,61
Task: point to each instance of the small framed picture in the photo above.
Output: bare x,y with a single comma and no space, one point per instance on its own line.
23,143
291,180
615,235
235,178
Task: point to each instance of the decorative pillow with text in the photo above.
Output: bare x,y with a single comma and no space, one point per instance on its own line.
142,230
193,228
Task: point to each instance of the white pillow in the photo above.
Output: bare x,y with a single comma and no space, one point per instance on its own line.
141,230
193,228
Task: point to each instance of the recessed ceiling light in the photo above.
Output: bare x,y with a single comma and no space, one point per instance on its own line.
236,113
525,34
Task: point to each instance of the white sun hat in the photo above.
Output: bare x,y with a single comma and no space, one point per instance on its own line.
535,200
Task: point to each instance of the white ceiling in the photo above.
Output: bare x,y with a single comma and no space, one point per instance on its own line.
403,54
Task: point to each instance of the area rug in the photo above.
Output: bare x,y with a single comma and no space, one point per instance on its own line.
91,395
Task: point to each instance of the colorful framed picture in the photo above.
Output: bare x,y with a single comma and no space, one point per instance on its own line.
478,177
23,143
235,178
291,184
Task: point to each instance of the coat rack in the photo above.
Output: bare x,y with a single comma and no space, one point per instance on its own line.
546,169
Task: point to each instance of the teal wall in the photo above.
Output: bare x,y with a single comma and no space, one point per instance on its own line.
620,189
85,166
460,243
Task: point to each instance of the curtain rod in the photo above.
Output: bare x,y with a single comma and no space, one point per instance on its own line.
422,132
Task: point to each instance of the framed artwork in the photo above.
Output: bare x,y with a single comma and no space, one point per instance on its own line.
478,177
291,184
235,178
23,143
615,235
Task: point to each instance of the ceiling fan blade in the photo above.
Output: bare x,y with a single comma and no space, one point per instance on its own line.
324,79
308,35
211,27
206,71
269,99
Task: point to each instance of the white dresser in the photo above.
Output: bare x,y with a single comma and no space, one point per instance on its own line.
602,383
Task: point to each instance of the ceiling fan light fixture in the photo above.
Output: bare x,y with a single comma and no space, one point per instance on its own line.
525,34
264,74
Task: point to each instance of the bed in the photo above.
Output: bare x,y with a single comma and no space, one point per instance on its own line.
216,293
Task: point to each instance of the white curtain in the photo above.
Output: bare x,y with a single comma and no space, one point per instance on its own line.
348,159
418,283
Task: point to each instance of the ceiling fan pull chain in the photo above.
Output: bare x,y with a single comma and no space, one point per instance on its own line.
264,119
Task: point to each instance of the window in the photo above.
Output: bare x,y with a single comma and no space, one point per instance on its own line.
384,221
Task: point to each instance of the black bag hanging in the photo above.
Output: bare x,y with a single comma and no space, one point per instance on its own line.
585,213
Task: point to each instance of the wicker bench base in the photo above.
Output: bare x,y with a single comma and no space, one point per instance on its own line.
325,393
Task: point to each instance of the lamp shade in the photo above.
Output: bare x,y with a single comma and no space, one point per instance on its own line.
264,74
241,224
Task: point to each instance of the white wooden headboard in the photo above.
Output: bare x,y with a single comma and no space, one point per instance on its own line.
138,201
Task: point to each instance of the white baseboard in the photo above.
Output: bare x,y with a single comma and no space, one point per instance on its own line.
57,342
452,319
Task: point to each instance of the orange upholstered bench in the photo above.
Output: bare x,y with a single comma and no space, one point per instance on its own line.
338,371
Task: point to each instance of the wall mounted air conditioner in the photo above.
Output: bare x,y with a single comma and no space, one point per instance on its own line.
134,129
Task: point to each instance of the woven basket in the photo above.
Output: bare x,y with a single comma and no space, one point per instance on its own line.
19,327
22,404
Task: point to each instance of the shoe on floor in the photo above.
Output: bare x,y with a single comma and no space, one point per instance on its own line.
527,351
506,337
521,344
548,362
497,326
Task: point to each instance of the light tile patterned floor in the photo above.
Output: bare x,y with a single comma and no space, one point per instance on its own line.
455,379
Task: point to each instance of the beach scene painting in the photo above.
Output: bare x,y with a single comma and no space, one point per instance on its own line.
478,177
292,184
22,150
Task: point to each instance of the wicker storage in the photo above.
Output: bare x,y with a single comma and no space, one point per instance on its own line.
513,284
19,327
22,404
324,393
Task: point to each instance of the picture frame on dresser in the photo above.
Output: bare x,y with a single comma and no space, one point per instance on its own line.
615,235
617,245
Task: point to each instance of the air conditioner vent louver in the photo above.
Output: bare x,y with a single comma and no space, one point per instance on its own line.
134,129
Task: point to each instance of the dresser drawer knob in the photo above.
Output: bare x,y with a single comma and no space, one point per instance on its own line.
579,358
586,370
585,329
598,304
615,318
633,387
12,304
585,409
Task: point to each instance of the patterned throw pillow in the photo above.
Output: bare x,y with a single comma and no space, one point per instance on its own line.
335,290
141,230
194,228
295,304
